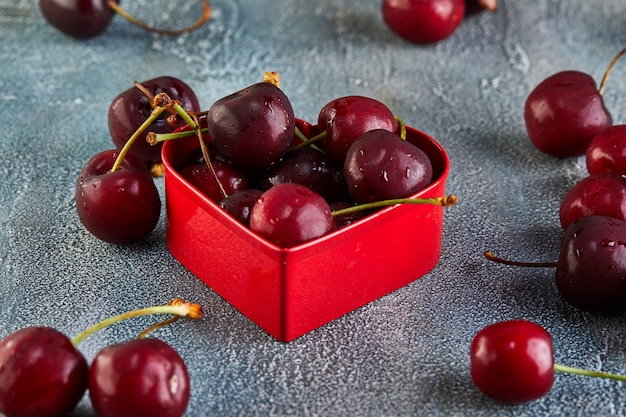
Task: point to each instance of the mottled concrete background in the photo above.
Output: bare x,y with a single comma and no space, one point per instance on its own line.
405,354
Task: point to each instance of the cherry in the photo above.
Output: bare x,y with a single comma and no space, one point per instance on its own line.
343,220
564,112
42,374
88,18
423,21
239,204
289,214
606,153
141,377
591,266
78,18
309,167
129,109
231,179
253,127
512,361
345,119
602,194
591,269
117,206
380,165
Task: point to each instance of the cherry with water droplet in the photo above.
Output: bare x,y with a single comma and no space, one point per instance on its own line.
42,374
591,266
130,109
239,204
602,194
253,127
230,177
345,119
381,166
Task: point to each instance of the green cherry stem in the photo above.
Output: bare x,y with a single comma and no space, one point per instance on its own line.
177,307
401,128
206,14
446,201
156,112
586,372
309,141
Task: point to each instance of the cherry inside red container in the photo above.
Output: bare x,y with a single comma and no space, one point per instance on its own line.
289,292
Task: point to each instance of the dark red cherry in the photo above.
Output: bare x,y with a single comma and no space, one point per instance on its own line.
564,113
78,18
253,127
239,204
512,361
591,270
142,377
606,153
343,220
382,166
423,21
117,207
132,107
231,178
41,373
289,214
602,194
347,118
311,168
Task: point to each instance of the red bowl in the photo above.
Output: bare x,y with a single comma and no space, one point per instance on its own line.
289,292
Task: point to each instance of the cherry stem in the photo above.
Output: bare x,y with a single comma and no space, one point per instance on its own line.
309,141
609,69
177,307
489,255
586,372
207,158
156,112
157,326
206,14
446,201
401,128
272,77
145,92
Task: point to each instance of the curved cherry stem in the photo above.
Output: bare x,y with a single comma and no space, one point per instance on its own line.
177,307
489,255
401,128
586,372
609,69
207,157
206,14
446,201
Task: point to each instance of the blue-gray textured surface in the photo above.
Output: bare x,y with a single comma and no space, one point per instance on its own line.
405,354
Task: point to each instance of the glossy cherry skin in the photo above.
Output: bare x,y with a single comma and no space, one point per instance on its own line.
41,373
142,377
477,6
564,113
230,177
423,21
131,108
606,153
119,207
253,127
239,204
381,166
345,119
591,268
512,361
311,168
78,18
289,214
602,194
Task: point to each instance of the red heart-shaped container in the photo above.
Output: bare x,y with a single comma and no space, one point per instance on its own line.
291,291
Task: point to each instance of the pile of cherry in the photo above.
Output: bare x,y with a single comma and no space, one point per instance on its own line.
566,116
43,374
253,160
